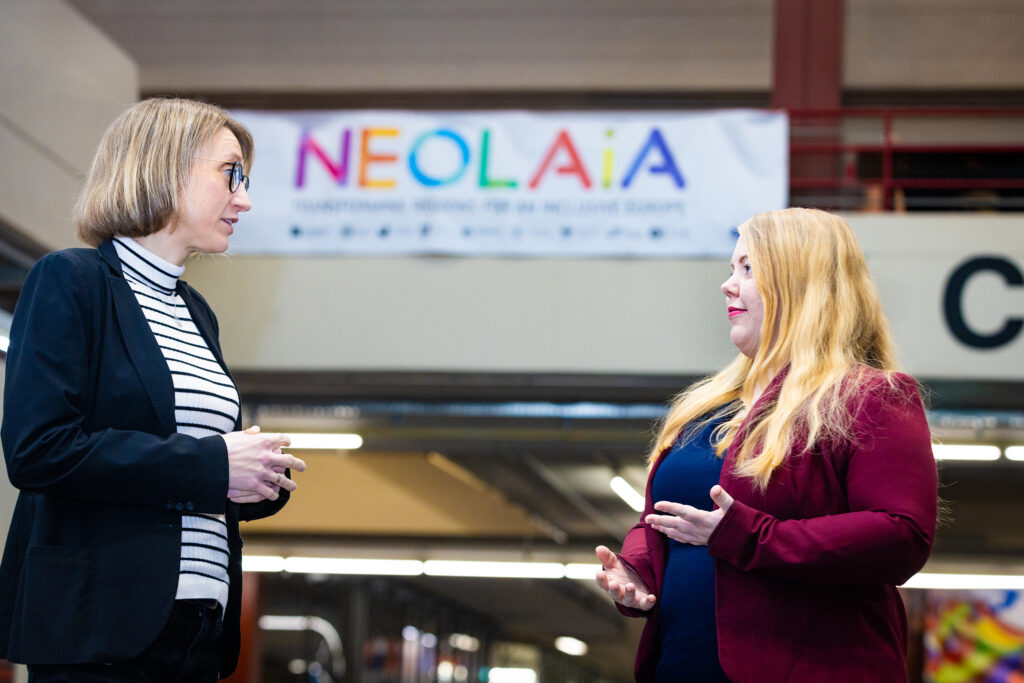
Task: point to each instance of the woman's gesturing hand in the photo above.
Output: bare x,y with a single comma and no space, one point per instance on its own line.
621,583
256,465
688,524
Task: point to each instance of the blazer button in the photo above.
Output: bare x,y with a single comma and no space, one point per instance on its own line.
180,507
190,506
169,505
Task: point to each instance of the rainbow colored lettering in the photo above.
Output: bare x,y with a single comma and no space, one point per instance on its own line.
370,167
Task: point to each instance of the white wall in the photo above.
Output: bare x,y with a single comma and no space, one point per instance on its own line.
586,315
61,84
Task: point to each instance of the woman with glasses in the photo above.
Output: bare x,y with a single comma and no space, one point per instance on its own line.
790,493
122,425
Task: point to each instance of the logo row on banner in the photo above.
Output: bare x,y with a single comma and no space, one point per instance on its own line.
510,183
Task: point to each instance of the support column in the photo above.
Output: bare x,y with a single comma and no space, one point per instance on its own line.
807,74
808,54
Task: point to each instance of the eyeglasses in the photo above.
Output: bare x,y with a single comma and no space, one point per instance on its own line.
235,175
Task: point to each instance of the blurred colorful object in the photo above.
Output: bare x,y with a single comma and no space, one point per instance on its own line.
974,637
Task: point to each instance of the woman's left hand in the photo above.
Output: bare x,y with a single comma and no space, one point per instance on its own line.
688,524
243,497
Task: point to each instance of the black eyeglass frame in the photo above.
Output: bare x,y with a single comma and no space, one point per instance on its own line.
235,175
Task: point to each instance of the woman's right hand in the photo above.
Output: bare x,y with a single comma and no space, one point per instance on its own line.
256,464
621,583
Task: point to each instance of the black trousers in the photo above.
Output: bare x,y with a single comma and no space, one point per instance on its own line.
187,651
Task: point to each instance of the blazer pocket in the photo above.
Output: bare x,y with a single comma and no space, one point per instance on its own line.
58,602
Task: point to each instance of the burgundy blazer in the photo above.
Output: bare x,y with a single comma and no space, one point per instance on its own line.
806,571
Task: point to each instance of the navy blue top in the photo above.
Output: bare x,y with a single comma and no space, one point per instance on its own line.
686,616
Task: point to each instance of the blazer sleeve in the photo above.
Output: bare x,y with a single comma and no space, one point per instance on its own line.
891,488
247,512
47,399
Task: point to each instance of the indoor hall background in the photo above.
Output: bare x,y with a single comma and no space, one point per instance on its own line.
497,397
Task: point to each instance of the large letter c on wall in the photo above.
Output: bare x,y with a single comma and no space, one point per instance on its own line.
953,302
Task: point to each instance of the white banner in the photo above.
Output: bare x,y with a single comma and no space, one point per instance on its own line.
510,183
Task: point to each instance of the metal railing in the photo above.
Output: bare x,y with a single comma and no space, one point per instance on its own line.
896,159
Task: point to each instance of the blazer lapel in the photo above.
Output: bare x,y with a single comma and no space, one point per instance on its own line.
138,338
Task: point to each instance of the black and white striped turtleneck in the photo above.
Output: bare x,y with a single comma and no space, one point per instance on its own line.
205,403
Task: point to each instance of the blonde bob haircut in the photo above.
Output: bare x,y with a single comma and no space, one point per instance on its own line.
822,319
143,166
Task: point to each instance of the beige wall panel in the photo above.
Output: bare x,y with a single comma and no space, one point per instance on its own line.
911,259
37,191
585,315
444,44
479,314
921,44
61,85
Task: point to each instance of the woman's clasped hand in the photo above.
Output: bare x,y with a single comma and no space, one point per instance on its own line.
257,467
687,524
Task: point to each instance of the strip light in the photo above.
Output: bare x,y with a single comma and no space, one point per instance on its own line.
966,581
627,493
976,452
506,570
338,565
1015,453
581,571
326,442
262,563
511,675
552,570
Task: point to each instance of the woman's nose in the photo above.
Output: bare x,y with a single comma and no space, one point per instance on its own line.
240,198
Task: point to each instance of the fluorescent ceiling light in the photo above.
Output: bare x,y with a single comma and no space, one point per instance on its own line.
627,493
966,581
965,452
545,570
582,571
502,570
1014,453
262,563
338,565
326,442
511,675
571,646
5,341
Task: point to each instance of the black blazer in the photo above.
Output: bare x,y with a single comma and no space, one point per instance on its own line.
90,570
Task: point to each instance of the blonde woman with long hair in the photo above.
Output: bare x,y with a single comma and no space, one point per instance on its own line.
816,453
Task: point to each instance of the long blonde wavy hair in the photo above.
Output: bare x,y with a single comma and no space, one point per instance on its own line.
822,319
